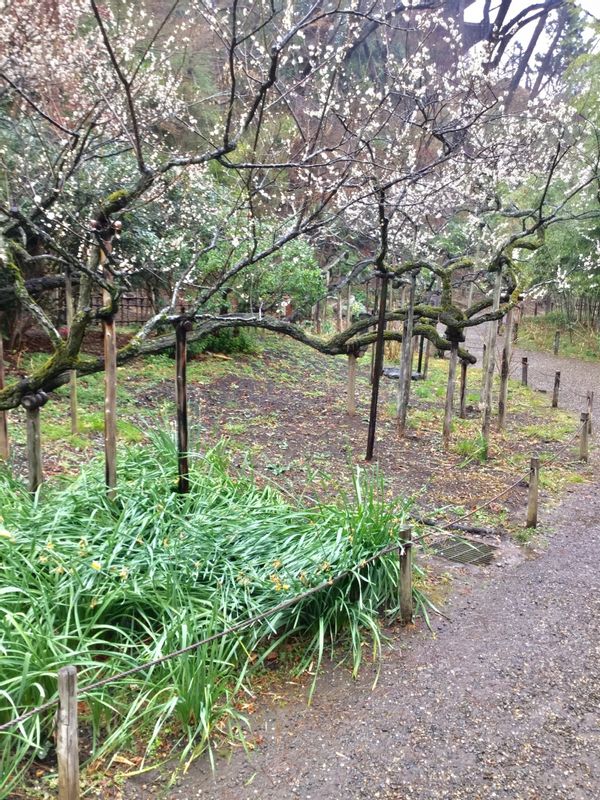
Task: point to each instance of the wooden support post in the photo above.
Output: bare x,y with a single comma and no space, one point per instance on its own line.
427,354
420,361
317,318
524,369
34,448
413,350
340,316
351,400
405,588
405,377
450,395
488,381
555,390
378,282
535,309
515,335
583,441
470,295
4,448
32,404
377,368
506,357
348,305
109,333
110,405
462,413
70,311
183,469
484,356
590,410
556,342
67,740
532,500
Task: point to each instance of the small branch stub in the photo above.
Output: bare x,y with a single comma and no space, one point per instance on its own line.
532,500
67,743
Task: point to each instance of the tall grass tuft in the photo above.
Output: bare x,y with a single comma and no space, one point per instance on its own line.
108,585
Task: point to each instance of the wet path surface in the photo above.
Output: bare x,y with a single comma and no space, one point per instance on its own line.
504,701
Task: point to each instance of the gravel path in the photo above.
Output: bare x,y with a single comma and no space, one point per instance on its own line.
502,703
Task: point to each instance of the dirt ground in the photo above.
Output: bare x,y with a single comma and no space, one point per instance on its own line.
283,413
500,701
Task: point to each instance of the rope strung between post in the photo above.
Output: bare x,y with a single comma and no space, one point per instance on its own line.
515,484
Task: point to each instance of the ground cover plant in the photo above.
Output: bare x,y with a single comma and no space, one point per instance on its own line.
108,585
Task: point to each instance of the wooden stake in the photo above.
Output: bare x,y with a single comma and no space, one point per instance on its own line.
506,356
378,282
470,295
590,409
183,469
109,333
317,318
405,588
484,356
70,309
556,342
4,447
420,361
351,385
532,500
463,390
34,448
427,354
67,740
555,389
524,368
110,405
488,382
348,309
377,368
405,376
450,395
583,441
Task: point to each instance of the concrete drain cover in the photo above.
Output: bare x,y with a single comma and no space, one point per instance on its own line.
464,551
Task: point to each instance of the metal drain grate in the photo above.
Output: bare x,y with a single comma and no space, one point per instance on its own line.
465,551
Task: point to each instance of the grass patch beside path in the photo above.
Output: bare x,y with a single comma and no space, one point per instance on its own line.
576,340
107,586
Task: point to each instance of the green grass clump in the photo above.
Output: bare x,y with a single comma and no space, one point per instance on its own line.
107,585
472,449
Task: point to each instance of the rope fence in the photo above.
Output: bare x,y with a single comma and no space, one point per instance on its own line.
403,548
580,432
